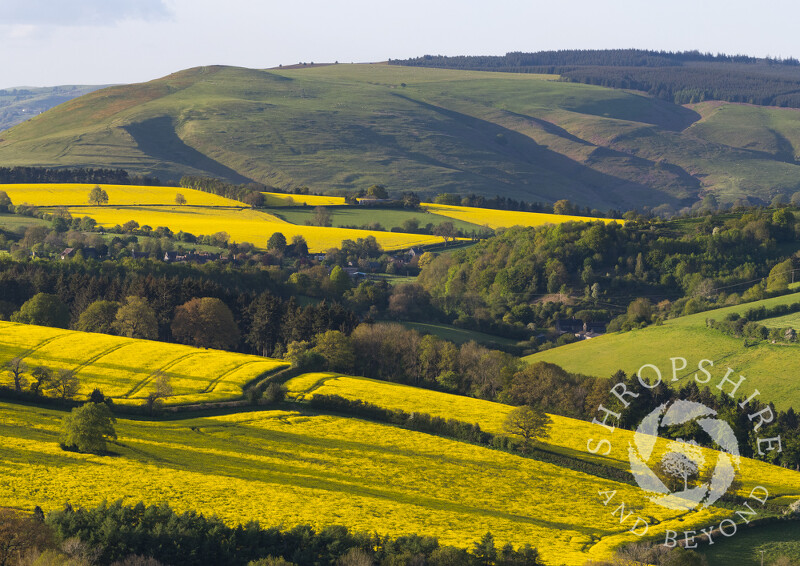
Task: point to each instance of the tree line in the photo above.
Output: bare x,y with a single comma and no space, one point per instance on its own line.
643,271
679,77
73,175
156,535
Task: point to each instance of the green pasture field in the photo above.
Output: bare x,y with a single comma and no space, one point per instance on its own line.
357,217
771,368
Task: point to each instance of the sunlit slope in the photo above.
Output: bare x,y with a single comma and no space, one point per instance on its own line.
774,131
772,368
126,369
245,225
77,194
281,199
285,468
349,126
567,436
504,218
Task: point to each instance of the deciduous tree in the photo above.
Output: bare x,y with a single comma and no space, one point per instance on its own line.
98,317
16,368
136,319
529,423
98,196
205,323
64,384
87,428
43,309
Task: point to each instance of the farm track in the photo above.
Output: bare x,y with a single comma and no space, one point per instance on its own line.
93,359
214,382
42,344
139,386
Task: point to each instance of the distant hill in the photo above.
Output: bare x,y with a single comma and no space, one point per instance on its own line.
680,77
21,103
341,128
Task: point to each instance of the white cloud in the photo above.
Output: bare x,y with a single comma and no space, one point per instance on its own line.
79,12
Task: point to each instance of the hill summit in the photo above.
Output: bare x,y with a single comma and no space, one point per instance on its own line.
339,128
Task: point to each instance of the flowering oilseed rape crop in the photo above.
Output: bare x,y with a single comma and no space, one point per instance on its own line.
505,218
566,435
125,369
281,199
77,194
286,468
245,225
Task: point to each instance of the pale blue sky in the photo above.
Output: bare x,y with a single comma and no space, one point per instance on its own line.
50,42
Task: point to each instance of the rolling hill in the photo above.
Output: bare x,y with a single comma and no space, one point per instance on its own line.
772,368
340,128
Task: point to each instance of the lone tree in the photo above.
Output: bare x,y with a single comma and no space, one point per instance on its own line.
180,199
98,196
322,217
529,423
87,428
15,368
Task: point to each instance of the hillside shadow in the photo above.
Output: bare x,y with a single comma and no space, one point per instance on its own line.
595,185
156,137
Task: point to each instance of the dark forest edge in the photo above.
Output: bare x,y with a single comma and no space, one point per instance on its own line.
679,77
156,535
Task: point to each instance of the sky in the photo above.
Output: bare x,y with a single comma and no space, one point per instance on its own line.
54,42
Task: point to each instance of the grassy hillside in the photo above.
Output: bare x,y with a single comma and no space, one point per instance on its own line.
345,127
285,467
769,367
125,369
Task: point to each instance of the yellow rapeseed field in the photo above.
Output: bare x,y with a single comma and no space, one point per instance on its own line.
567,435
281,199
76,194
244,225
125,369
203,213
285,468
504,218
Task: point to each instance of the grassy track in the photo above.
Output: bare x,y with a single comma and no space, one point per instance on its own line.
124,368
772,368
